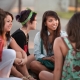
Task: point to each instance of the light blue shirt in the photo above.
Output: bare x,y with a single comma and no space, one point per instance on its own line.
37,45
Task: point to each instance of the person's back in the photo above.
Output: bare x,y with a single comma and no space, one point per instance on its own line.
67,64
71,69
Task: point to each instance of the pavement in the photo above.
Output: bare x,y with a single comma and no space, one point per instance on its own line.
28,3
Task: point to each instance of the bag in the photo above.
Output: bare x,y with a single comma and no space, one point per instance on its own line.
71,67
1,47
46,63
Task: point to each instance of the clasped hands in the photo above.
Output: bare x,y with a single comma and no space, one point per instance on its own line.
20,62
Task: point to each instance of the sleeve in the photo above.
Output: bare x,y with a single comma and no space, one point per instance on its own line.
37,46
63,33
20,39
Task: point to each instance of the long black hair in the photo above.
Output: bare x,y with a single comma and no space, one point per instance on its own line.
8,33
44,34
24,15
2,23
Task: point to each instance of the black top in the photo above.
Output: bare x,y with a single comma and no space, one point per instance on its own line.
22,40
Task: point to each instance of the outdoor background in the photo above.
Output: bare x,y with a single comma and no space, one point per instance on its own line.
64,8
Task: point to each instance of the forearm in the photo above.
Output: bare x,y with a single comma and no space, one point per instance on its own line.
24,56
58,76
49,58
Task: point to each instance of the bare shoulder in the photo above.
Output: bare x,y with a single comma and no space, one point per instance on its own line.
58,40
59,43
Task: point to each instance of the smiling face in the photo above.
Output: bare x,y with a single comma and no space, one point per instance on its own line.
8,23
51,23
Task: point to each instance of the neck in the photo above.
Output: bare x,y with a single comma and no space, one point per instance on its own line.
51,32
25,30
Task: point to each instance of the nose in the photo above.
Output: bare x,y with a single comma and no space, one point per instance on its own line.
10,23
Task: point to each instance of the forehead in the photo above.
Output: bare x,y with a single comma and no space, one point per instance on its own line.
50,17
8,17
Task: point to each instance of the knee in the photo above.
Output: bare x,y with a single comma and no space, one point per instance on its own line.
13,54
41,75
9,53
33,65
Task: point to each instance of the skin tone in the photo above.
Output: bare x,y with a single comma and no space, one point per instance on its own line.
21,58
30,58
51,24
30,26
60,51
7,27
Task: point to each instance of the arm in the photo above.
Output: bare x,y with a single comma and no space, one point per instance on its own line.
37,46
58,59
49,58
16,47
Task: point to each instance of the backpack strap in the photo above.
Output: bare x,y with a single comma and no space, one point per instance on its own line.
66,40
41,46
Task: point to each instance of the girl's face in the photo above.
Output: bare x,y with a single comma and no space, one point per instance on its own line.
33,24
51,23
8,23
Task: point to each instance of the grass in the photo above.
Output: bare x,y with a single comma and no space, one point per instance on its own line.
66,15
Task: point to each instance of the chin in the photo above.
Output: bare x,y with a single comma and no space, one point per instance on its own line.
33,28
9,30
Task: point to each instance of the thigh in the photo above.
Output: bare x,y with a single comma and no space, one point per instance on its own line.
36,65
31,58
45,75
8,57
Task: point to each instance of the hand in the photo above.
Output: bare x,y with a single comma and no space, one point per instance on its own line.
49,58
22,62
46,58
17,61
52,59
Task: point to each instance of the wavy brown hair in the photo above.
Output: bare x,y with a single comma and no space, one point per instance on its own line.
8,33
2,23
73,29
44,34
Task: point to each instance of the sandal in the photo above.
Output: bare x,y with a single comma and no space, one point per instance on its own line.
30,78
24,78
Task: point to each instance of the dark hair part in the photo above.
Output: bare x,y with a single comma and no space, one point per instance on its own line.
44,31
2,23
73,29
24,15
8,33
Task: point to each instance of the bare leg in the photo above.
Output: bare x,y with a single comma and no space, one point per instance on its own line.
23,68
30,59
45,75
37,67
15,72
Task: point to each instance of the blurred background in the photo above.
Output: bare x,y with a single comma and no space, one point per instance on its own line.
64,8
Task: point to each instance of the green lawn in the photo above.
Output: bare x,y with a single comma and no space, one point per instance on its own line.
66,15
